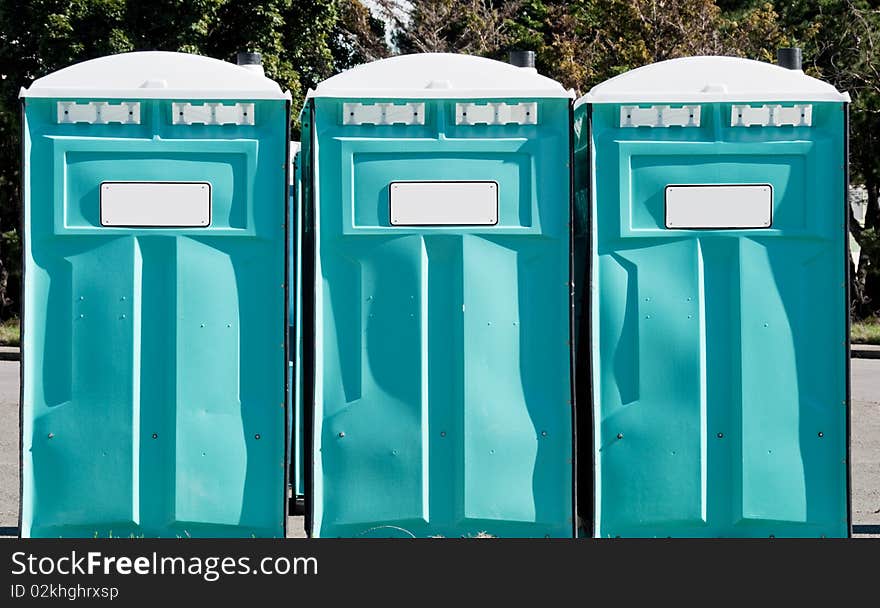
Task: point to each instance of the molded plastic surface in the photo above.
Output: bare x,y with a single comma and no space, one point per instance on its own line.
711,80
155,75
718,356
443,392
295,335
153,359
438,76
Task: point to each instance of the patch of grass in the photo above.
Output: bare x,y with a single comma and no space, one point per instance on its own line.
866,332
10,333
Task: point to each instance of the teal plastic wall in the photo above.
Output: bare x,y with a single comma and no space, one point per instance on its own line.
442,398
719,357
295,387
154,359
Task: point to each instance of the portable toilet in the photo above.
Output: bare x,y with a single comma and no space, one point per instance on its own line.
719,316
154,351
437,301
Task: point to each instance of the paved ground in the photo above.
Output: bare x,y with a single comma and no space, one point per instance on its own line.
8,446
865,449
866,446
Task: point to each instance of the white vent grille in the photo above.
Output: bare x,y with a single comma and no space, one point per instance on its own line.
241,114
99,112
497,113
800,115
383,114
660,116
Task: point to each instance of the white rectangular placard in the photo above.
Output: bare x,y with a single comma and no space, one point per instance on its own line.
156,204
719,206
444,203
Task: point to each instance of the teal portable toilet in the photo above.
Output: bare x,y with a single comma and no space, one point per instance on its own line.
294,382
719,315
436,296
153,362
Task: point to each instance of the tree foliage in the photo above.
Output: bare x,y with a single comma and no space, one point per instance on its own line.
583,42
297,40
358,35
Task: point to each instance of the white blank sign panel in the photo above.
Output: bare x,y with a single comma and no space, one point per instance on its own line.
719,206
444,203
156,204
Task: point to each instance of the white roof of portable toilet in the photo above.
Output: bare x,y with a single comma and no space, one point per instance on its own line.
438,76
156,74
711,79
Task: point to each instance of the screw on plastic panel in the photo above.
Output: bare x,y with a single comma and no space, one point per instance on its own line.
51,435
443,433
620,435
720,435
543,433
821,434
342,433
257,436
155,435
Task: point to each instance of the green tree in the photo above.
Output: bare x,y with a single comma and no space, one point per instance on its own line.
37,37
841,40
358,37
584,42
475,27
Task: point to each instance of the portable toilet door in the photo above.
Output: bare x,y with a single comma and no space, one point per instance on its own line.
153,399
437,301
719,315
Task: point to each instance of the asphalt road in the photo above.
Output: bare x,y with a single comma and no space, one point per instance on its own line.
865,446
865,449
